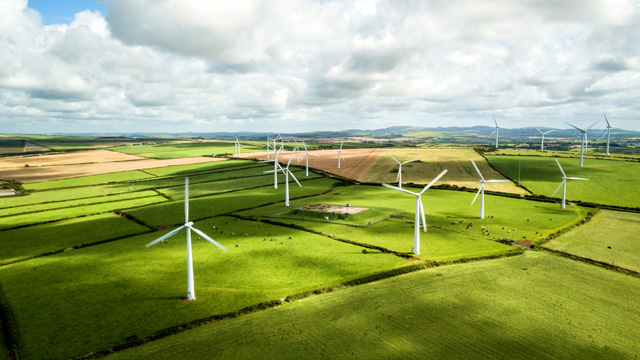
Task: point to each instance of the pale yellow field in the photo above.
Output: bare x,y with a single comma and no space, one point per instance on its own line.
432,162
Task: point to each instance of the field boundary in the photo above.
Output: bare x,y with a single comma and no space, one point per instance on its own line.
9,329
589,261
135,340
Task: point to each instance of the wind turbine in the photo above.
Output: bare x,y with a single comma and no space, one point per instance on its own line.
306,157
543,134
563,184
191,294
237,147
609,127
481,190
583,133
419,210
497,130
297,150
287,172
399,177
275,167
268,146
340,154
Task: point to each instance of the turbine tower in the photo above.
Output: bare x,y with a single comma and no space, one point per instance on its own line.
563,184
543,134
306,157
609,127
419,211
583,145
191,294
340,154
481,190
399,177
496,131
287,172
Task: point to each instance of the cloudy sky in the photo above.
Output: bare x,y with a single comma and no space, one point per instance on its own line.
305,65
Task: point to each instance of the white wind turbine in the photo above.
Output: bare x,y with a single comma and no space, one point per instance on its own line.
399,177
287,172
237,147
276,152
306,157
191,294
583,134
543,134
481,190
563,184
419,210
497,130
268,146
340,154
297,150
609,127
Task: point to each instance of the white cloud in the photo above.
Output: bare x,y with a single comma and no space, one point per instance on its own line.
302,65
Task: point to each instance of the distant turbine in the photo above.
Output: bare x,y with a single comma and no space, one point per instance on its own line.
543,134
340,154
237,147
306,157
191,293
609,127
399,177
497,130
297,151
268,146
481,190
563,184
419,211
583,145
287,172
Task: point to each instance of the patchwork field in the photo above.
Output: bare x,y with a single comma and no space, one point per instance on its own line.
610,236
610,182
78,157
76,274
431,162
184,149
534,306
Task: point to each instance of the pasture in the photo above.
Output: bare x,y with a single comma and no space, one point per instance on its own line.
610,182
534,306
431,163
610,236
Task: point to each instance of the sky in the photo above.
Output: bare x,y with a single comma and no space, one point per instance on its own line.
122,66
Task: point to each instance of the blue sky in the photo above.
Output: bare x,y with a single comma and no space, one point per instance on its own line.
306,65
63,11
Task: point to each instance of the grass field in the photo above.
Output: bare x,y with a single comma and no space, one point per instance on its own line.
610,236
89,180
432,162
94,297
443,241
183,149
574,153
610,182
527,307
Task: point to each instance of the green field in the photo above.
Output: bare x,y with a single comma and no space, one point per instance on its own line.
573,153
610,182
175,150
610,236
97,296
527,307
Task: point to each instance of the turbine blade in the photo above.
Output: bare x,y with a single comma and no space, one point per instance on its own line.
165,236
494,120
406,162
424,221
478,193
549,131
575,127
575,178
314,155
492,133
207,238
434,181
186,199
294,178
563,174
496,181
590,126
477,170
399,189
342,143
561,183
394,159
540,131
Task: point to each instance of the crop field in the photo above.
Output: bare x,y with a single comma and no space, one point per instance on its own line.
610,182
535,306
184,149
510,218
431,163
78,279
610,236
574,153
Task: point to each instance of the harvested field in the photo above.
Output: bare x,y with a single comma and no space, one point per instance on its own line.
355,162
33,174
338,209
78,157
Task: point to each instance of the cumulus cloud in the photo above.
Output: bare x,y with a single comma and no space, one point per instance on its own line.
301,65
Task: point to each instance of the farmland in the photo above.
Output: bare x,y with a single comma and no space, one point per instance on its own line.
175,150
491,309
74,269
610,182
